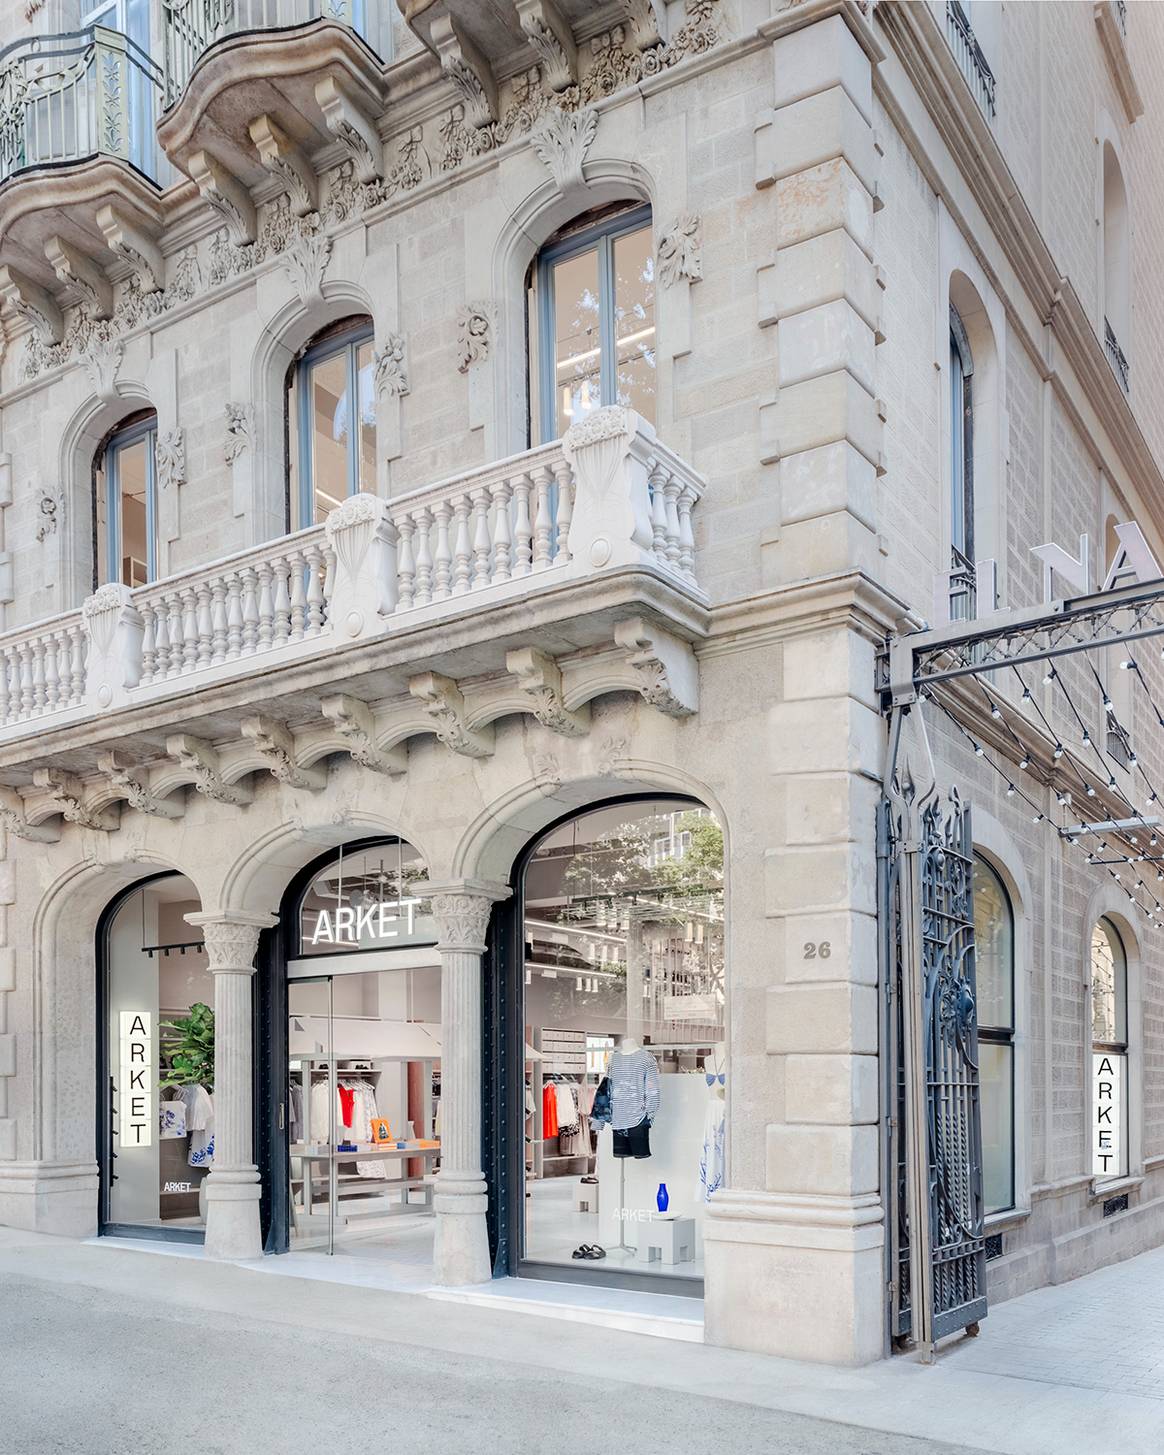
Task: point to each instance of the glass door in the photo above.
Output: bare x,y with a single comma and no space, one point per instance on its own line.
311,1105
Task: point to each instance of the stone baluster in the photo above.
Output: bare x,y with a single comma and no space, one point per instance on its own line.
298,595
542,520
232,1190
26,697
564,477
148,642
502,539
51,680
405,564
422,593
5,700
189,629
234,621
250,611
281,629
687,499
174,633
205,625
77,665
461,1248
265,606
314,591
522,528
37,652
443,556
462,547
672,492
218,621
657,479
481,540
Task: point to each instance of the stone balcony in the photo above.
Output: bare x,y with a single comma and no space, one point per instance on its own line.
532,585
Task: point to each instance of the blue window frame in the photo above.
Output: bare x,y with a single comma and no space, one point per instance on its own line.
126,505
332,453
591,319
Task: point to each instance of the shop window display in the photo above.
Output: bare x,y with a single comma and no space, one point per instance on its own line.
159,1060
625,1081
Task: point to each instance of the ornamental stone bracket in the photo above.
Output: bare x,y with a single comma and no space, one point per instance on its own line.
647,20
540,680
131,245
14,821
130,783
353,128
665,666
82,274
445,705
28,300
201,767
355,724
550,35
468,70
286,162
226,195
275,745
58,793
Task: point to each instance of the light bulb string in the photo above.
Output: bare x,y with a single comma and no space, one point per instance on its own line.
1053,734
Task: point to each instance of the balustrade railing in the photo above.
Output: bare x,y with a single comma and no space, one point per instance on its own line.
608,496
968,53
190,27
1115,355
67,97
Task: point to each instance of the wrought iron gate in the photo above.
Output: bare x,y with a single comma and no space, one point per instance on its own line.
935,1144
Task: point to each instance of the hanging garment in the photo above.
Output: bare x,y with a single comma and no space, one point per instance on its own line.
295,1110
200,1124
364,1109
711,1152
575,1142
567,1106
634,1089
549,1110
171,1119
347,1101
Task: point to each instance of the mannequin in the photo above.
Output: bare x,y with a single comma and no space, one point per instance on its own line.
628,1046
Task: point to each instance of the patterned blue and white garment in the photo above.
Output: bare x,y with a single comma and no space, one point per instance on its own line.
634,1088
711,1153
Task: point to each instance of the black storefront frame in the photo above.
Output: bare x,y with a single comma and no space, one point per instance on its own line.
106,1156
278,946
503,1093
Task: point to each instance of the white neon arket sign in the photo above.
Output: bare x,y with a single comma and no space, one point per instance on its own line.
349,924
1107,1114
135,1081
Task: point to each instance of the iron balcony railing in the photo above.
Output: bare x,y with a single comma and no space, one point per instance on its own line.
1115,355
968,54
1121,10
66,97
190,27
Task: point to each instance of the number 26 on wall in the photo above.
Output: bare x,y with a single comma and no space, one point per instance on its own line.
817,950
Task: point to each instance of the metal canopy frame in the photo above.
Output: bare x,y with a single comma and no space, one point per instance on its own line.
927,950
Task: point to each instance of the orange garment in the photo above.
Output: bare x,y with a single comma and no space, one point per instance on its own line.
549,1110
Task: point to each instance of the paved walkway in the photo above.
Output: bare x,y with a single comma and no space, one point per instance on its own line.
1074,1368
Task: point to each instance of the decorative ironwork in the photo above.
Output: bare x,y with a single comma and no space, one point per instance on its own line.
994,1248
1115,355
1113,1205
939,1277
964,44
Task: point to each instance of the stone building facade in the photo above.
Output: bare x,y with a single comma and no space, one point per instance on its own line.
641,553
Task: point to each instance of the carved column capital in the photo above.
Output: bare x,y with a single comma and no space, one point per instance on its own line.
461,909
231,938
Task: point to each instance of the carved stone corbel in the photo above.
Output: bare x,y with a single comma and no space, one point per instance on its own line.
32,303
467,69
127,780
133,247
60,793
562,141
541,680
199,759
352,719
283,159
305,262
83,275
646,21
444,704
13,821
665,666
551,38
277,747
351,128
227,196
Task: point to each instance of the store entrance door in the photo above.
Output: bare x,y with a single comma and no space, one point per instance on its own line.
363,1086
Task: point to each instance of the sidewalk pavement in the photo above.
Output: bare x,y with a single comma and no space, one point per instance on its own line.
1072,1368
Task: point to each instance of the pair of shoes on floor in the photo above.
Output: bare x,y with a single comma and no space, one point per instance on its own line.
589,1252
590,1181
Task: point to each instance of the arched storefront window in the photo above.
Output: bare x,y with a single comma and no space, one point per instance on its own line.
362,1121
331,422
1109,1052
623,980
994,963
156,1040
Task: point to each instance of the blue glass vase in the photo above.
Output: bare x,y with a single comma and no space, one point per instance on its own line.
662,1197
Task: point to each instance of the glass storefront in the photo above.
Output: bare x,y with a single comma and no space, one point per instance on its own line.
625,1070
158,1025
363,1058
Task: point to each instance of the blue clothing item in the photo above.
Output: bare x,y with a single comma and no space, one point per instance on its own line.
634,1089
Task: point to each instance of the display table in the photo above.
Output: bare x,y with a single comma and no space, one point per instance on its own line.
310,1156
671,1240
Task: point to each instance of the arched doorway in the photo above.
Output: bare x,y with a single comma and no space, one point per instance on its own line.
610,967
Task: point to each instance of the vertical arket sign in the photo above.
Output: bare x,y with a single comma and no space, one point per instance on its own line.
1107,1112
135,1083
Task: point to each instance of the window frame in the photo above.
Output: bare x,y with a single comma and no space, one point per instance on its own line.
342,339
1004,1035
123,437
601,235
961,497
1122,1049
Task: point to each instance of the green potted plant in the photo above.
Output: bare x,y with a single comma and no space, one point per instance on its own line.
192,1054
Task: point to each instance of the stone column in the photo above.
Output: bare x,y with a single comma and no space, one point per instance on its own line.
232,1189
461,911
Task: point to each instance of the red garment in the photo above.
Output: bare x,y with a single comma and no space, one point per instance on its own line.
549,1110
347,1102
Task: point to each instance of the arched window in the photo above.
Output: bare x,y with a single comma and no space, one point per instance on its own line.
125,504
1109,1051
1116,253
994,963
331,450
961,403
591,321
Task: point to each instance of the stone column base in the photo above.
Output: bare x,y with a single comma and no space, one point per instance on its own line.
50,1197
461,1245
798,1276
232,1213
